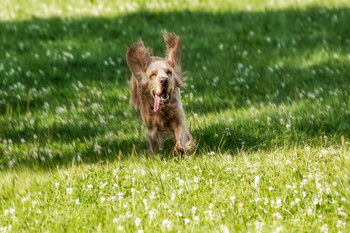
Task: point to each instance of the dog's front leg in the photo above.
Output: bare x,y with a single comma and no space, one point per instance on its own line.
181,138
154,140
178,133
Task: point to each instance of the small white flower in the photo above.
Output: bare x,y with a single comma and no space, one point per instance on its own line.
278,203
341,224
256,181
277,215
178,214
90,186
180,191
151,214
224,229
233,198
120,195
137,221
97,148
278,229
309,211
288,126
324,152
152,196
194,209
166,223
69,190
324,228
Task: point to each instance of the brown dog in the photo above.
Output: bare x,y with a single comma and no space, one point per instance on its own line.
155,93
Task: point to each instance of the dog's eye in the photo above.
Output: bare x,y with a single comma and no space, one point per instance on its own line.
168,73
152,76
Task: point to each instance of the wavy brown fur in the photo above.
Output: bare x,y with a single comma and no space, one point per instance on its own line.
147,73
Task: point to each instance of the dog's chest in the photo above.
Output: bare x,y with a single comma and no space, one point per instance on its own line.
159,121
156,121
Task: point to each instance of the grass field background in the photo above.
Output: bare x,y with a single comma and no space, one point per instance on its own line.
267,98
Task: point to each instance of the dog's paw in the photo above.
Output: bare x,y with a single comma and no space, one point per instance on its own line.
190,145
178,151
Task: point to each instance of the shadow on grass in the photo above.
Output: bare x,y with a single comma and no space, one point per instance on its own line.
234,61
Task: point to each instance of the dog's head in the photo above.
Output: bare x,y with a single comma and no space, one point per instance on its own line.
158,76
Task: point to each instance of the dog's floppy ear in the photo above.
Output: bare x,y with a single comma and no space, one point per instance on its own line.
138,58
173,49
179,82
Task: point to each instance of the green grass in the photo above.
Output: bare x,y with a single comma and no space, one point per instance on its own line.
267,98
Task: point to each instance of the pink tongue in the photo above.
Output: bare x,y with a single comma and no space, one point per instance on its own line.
157,100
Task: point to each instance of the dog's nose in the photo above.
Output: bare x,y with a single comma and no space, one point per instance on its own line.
164,81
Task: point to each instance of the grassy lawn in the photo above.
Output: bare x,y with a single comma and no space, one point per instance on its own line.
267,98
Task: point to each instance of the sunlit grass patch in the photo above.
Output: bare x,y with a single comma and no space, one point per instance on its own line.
302,189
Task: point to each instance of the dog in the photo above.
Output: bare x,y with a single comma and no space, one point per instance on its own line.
155,94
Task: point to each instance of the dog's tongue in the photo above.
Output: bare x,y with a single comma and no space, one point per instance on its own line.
157,100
